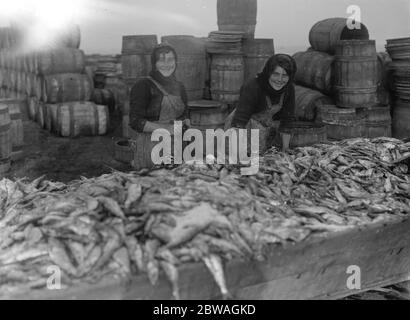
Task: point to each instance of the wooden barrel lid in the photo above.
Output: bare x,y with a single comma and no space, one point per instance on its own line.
200,105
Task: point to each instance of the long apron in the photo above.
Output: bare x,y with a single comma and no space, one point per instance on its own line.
268,129
172,107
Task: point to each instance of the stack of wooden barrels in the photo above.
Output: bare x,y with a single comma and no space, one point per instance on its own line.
399,50
110,89
65,107
51,87
344,79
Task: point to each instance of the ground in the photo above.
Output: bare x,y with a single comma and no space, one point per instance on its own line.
66,159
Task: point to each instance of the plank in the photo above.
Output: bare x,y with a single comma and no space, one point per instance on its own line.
311,270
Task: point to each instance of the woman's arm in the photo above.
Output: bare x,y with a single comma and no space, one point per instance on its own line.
288,114
140,98
248,102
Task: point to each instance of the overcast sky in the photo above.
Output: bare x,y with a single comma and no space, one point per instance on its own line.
104,22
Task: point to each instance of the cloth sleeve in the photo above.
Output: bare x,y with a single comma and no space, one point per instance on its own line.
288,111
248,103
140,98
184,98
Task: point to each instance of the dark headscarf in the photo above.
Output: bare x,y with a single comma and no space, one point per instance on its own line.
286,62
156,53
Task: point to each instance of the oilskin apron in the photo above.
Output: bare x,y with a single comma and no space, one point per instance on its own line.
172,107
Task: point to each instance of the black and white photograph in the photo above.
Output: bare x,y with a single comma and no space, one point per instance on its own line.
219,151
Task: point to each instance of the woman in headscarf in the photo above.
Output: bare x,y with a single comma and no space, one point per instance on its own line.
268,101
160,99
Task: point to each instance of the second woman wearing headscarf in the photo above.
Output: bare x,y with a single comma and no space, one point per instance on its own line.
268,102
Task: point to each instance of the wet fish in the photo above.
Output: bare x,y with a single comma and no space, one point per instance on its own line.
133,195
215,266
112,206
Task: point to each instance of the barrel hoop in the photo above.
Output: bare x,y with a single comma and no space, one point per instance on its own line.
370,89
344,123
96,120
355,59
378,123
71,112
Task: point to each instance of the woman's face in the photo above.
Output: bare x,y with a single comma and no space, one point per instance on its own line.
279,78
166,64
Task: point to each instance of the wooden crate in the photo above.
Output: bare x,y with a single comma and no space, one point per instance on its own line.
314,269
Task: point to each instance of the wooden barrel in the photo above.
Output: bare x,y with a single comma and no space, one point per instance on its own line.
104,97
307,102
67,87
33,105
315,70
191,70
18,104
325,34
16,127
341,123
227,77
123,152
119,89
401,120
206,114
136,56
5,139
256,53
378,121
237,15
142,147
65,60
74,119
356,73
305,133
